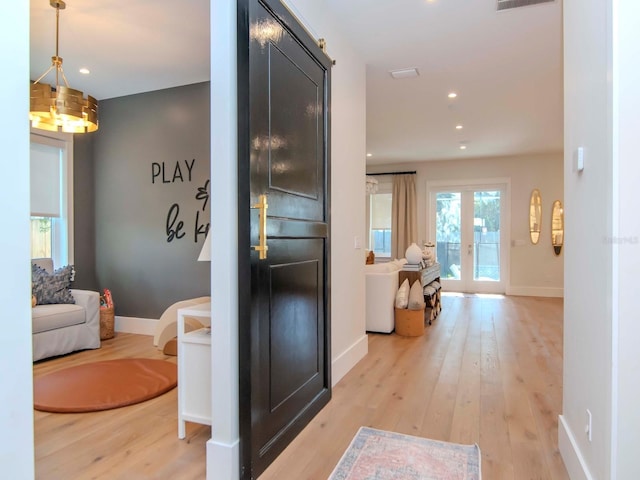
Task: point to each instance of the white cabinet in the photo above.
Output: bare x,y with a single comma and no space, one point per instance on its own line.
194,369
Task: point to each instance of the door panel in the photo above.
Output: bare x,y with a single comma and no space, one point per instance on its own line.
448,230
295,133
291,369
287,121
284,333
486,235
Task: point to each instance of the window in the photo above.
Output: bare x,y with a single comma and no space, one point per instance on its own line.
41,236
51,175
380,230
379,220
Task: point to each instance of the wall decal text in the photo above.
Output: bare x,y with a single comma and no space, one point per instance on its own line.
168,172
164,172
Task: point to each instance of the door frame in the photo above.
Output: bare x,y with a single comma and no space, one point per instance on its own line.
432,187
245,336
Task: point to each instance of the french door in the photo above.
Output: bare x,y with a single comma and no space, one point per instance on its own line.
468,224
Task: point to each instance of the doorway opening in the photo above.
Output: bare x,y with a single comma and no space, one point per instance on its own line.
469,223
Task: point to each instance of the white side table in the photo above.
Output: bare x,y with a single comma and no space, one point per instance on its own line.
194,369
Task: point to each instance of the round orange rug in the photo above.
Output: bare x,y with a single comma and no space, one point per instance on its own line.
103,385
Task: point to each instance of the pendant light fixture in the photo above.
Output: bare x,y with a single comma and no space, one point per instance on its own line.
60,108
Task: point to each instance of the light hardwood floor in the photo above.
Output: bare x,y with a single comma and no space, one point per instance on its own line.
488,371
130,443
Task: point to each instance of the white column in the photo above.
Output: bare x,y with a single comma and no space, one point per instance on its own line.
16,394
223,447
626,233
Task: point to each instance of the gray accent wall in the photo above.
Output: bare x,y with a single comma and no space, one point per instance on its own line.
151,174
84,248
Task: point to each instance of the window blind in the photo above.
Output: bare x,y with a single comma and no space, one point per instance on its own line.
381,211
46,162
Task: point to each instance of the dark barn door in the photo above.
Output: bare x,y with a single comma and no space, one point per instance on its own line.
284,193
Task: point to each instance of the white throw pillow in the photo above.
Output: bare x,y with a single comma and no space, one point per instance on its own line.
402,297
416,299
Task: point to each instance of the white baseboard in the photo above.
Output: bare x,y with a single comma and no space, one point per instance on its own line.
570,452
536,291
223,460
348,359
141,326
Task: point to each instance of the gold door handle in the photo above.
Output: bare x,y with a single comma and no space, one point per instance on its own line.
262,234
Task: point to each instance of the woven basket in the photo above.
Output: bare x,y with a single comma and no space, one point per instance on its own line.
107,319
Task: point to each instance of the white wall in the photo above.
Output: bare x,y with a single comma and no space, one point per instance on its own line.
590,295
16,398
626,125
535,269
348,145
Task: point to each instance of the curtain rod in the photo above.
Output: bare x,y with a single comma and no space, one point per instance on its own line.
392,173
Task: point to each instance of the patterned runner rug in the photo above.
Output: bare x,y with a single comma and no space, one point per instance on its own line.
380,455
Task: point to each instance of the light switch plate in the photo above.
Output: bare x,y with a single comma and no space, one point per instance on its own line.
580,159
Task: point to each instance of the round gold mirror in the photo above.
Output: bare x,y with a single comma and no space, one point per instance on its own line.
557,226
535,216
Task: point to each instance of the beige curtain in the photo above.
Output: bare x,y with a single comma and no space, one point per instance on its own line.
404,215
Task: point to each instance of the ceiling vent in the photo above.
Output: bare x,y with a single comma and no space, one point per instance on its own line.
509,4
404,73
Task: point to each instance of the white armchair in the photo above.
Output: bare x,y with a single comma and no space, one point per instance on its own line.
65,328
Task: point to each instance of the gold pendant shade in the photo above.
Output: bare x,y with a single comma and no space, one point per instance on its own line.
61,108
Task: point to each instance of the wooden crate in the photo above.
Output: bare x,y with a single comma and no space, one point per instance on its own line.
408,274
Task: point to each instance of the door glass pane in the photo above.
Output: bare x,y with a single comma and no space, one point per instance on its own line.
448,234
486,236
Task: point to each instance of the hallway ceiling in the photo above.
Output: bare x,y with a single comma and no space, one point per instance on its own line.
506,67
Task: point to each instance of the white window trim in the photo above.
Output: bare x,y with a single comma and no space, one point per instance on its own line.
64,141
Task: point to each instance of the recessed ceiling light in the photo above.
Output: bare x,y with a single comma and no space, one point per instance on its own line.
452,95
84,71
458,127
405,73
369,154
463,147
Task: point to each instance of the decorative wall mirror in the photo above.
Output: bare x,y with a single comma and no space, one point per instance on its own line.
535,216
557,226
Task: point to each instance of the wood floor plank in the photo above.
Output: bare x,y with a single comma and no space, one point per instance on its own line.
465,425
488,371
494,442
437,420
541,369
526,447
134,442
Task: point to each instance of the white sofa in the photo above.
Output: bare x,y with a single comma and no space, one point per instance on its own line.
65,328
381,285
